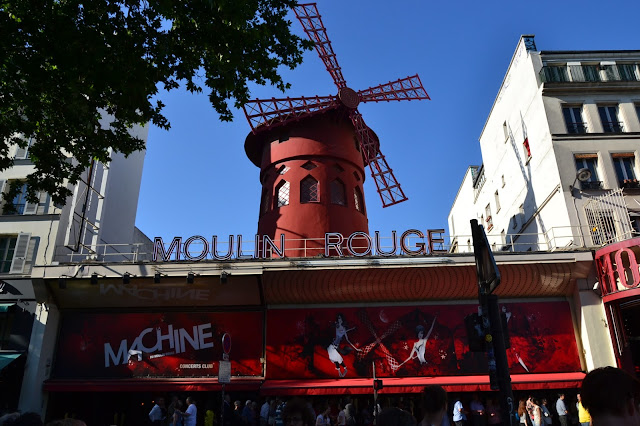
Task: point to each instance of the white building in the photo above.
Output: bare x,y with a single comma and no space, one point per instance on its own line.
557,113
559,169
102,210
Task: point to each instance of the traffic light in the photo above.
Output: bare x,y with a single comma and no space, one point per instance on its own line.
475,333
377,384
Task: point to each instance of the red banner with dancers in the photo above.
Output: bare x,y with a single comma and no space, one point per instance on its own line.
407,341
172,344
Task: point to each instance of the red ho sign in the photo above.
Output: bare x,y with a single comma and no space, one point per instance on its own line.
617,266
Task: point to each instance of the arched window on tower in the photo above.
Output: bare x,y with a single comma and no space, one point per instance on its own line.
338,194
309,190
282,191
264,202
357,199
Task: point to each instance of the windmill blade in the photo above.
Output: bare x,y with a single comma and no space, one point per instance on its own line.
267,113
388,187
405,89
311,21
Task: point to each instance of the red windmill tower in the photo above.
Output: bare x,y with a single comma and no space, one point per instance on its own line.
312,152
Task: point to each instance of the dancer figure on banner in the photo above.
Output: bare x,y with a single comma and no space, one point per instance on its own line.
334,350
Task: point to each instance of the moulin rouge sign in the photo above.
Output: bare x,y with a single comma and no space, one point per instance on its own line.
617,266
358,244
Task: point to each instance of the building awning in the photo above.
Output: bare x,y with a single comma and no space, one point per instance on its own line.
151,385
417,384
6,359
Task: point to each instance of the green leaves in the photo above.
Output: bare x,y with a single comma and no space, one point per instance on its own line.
70,64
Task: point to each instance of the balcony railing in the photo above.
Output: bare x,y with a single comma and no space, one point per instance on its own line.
577,128
561,238
593,184
589,73
612,127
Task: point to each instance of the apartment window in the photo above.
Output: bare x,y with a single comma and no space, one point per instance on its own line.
283,169
489,219
573,119
19,205
497,197
357,199
338,194
589,161
505,131
309,190
556,73
591,72
503,181
625,169
22,153
627,72
283,193
13,253
609,118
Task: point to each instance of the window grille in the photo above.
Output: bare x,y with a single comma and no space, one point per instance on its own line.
283,194
357,199
309,190
338,195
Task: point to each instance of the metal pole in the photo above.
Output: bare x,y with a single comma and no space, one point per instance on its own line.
501,364
222,407
375,395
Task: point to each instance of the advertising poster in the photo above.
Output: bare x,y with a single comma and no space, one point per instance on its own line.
173,344
409,341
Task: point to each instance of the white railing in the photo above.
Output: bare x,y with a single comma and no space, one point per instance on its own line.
567,238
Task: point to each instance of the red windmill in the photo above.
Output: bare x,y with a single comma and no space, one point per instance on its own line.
319,152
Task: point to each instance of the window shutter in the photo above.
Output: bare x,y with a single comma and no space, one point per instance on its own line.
20,254
2,185
21,153
31,208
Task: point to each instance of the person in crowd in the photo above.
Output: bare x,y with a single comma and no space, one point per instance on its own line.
537,412
297,412
546,414
523,414
158,413
459,416
434,406
477,411
493,412
256,413
561,409
583,415
279,420
191,414
612,397
264,412
177,419
323,411
341,419
247,413
350,415
394,416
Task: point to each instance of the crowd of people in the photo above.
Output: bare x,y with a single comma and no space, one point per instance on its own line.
608,396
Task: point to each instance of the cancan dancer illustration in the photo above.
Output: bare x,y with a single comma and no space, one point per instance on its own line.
419,346
335,351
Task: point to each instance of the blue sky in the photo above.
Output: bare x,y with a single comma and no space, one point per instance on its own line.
198,181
